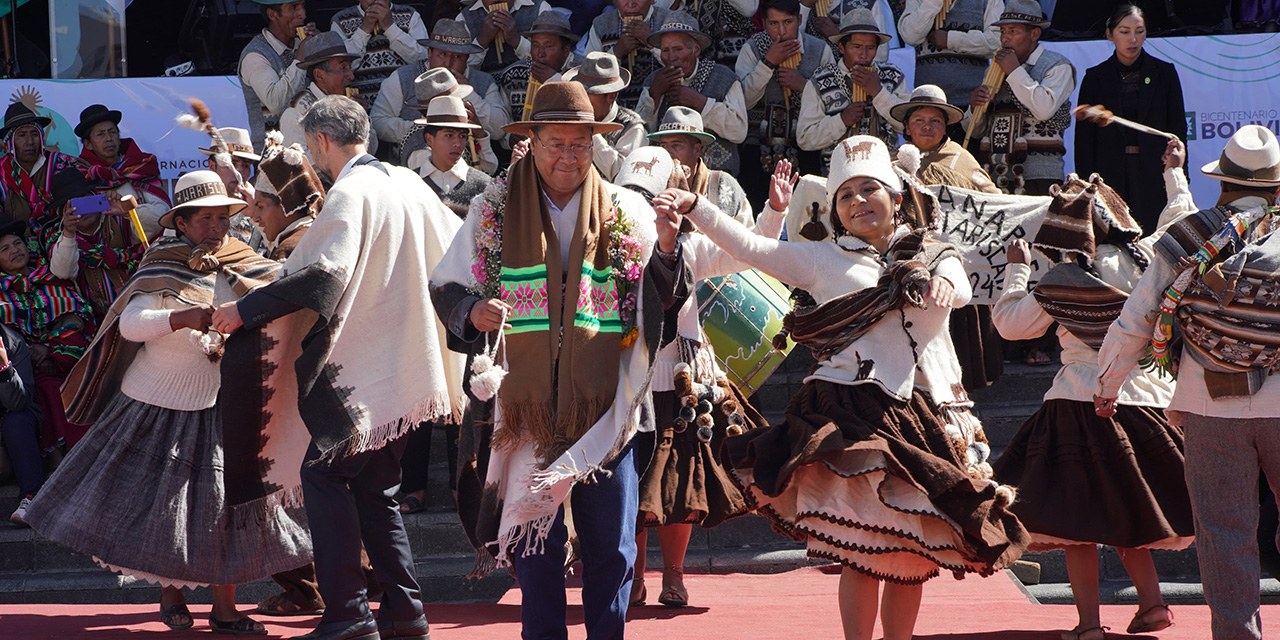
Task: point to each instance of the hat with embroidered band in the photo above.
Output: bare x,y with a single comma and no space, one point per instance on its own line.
19,114
326,45
599,73
1251,158
1022,12
448,112
680,22
552,22
682,121
92,115
200,189
452,36
648,168
861,157
927,95
239,143
435,82
561,103
859,21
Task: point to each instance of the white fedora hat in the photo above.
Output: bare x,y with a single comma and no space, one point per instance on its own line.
927,95
200,189
1251,158
600,73
682,121
447,111
238,143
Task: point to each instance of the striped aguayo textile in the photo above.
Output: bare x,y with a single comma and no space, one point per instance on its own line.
1081,302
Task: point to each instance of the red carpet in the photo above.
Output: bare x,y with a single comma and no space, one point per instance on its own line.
795,605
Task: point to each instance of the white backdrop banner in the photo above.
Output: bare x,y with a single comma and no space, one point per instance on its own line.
149,106
1227,82
981,225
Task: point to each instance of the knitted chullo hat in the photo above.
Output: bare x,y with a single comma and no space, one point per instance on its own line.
1083,215
286,174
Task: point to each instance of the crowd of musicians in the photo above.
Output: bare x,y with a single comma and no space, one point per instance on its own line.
244,375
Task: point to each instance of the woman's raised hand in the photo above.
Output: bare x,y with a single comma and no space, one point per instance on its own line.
781,186
1017,251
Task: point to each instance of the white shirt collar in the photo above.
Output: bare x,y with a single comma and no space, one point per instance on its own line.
304,221
1035,55
613,112
458,170
347,167
276,44
572,205
317,91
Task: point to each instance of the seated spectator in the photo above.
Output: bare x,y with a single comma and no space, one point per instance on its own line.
448,48
689,80
27,167
126,169
507,24
99,252
328,66
55,321
828,112
604,80
20,424
625,34
384,37
446,129
551,46
238,181
426,87
682,135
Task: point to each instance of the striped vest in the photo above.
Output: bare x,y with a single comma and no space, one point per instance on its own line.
261,120
609,27
712,81
958,74
834,86
727,28
379,60
474,17
772,120
1018,147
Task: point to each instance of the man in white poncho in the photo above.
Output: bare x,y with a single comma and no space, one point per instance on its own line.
350,348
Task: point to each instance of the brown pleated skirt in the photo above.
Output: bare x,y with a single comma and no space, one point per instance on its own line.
1085,479
685,481
874,483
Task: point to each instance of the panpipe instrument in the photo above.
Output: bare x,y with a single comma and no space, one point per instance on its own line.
497,37
351,92
471,146
1102,117
940,20
822,8
790,63
631,57
301,32
992,81
530,90
856,92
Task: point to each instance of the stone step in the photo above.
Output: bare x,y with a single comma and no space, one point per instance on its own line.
1122,592
1176,566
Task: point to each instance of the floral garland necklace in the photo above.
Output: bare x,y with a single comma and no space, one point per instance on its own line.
625,255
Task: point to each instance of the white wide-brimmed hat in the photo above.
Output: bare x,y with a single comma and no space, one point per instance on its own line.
599,73
447,111
861,157
682,121
927,95
435,82
452,36
1022,12
200,189
1251,158
238,143
648,168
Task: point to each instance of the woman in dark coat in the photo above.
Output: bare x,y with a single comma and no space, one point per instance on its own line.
1134,85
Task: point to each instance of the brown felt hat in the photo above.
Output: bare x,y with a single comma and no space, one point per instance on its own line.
561,103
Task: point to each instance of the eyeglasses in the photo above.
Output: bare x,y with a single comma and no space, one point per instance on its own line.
578,150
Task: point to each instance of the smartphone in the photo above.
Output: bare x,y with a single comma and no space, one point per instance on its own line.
90,205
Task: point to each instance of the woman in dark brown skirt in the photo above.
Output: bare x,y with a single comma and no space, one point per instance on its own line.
1085,480
879,465
684,483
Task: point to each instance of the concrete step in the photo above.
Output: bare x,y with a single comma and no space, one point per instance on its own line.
1177,566
1122,592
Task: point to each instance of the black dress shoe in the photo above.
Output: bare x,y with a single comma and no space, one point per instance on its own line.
416,629
366,629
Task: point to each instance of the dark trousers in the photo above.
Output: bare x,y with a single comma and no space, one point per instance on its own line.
416,462
349,501
21,433
604,519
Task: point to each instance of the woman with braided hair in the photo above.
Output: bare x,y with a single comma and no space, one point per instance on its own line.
878,465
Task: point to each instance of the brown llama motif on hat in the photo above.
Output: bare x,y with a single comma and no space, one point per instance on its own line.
859,151
647,167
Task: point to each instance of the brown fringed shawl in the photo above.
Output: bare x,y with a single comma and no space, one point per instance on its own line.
952,165
172,267
556,400
1080,301
830,327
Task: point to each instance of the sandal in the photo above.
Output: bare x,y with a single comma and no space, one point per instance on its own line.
413,503
1037,358
280,605
245,626
177,617
1086,634
1141,625
674,597
638,597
